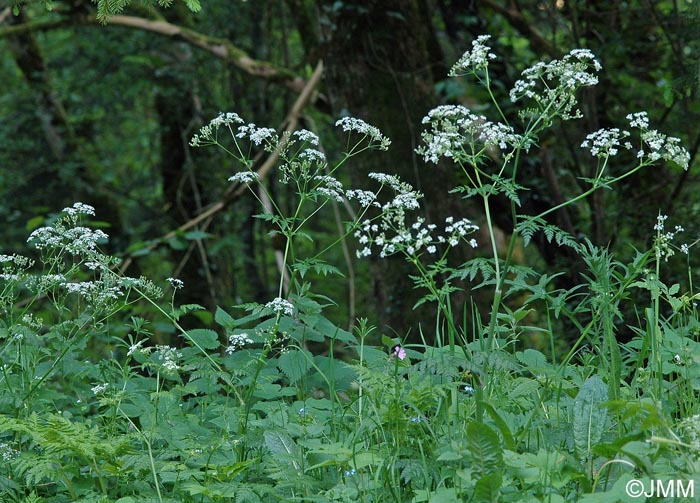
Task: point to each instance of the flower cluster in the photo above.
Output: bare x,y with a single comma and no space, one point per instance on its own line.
7,453
135,347
257,135
237,341
312,155
244,177
366,198
329,187
361,127
560,79
75,240
207,134
663,243
304,135
656,145
175,283
475,59
392,236
457,133
279,305
606,142
100,388
166,356
98,291
14,267
79,209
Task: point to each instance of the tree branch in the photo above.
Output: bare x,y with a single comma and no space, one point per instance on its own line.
219,47
306,97
538,42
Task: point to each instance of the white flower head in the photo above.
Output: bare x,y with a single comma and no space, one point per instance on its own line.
176,283
553,85
244,177
79,209
475,59
605,142
307,136
100,388
455,132
207,134
237,341
281,306
360,127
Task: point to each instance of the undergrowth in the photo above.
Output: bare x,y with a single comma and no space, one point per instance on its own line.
94,408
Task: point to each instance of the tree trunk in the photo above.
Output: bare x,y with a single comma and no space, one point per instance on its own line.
380,58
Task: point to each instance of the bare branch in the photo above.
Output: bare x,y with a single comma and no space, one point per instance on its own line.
305,98
219,47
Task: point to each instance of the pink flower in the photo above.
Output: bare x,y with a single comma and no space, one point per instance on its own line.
399,352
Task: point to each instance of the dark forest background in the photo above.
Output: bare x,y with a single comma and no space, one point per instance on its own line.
102,110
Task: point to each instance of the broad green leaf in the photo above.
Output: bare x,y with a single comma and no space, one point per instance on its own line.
501,424
224,319
279,442
488,488
485,446
295,364
589,417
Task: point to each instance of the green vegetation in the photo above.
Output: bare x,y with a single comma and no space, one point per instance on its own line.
273,401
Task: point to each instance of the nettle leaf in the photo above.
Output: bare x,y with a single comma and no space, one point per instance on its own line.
204,338
485,447
187,308
295,364
589,417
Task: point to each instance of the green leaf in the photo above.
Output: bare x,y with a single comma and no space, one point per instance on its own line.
35,222
589,417
485,446
295,364
487,488
204,338
279,442
224,319
195,235
501,424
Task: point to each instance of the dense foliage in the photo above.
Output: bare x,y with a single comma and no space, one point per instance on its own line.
338,323
263,418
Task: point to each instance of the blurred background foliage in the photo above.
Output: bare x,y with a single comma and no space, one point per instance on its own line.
100,107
